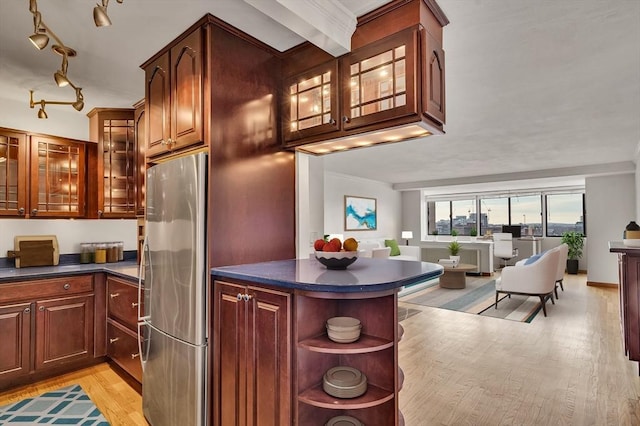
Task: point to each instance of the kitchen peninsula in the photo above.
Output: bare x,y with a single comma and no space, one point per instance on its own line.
271,349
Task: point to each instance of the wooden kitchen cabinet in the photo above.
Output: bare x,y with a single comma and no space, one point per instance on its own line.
113,179
373,353
47,326
433,78
13,172
15,329
122,332
57,177
252,355
139,123
64,331
174,96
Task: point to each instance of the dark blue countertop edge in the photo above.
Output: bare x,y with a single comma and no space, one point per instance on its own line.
121,269
235,272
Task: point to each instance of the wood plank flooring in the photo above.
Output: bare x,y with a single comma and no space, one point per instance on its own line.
462,369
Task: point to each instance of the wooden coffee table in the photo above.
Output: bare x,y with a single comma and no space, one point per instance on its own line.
455,277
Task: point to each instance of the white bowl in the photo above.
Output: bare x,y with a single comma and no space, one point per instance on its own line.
344,421
343,323
344,382
348,336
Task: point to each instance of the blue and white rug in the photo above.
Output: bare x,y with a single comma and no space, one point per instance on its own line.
66,406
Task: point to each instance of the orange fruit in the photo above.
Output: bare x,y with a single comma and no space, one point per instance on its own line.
350,244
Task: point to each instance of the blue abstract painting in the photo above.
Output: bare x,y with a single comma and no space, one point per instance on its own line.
360,213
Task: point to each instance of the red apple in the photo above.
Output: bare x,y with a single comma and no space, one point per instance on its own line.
330,247
335,242
319,244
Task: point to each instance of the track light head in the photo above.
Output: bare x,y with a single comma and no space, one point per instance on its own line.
41,112
100,16
61,79
39,40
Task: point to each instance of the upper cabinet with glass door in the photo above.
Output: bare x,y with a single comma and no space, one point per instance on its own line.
115,172
57,178
13,173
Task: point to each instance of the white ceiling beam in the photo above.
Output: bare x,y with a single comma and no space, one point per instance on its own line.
326,23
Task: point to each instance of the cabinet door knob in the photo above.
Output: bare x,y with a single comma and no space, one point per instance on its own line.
346,119
239,296
134,305
170,141
34,212
332,121
66,286
112,295
27,310
247,297
134,356
21,211
99,213
115,339
41,308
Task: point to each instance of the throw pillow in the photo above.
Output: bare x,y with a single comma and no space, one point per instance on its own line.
395,250
533,258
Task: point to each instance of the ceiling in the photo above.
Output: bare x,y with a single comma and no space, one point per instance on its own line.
531,86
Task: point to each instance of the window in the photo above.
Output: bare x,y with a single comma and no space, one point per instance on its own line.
494,212
458,215
443,217
526,211
565,212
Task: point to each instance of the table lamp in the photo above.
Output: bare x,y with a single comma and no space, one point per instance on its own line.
407,235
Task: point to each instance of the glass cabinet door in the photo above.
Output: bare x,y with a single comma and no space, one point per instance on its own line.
380,80
119,167
312,102
57,177
13,173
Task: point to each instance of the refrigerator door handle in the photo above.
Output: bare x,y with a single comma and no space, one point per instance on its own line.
142,345
145,254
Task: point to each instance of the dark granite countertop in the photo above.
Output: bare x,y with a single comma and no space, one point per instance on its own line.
127,270
308,274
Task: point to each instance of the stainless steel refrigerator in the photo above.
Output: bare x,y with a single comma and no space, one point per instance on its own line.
173,297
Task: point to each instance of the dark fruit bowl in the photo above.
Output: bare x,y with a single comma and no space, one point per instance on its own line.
336,260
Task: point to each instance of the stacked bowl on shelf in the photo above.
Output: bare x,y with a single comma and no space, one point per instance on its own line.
343,329
344,382
344,421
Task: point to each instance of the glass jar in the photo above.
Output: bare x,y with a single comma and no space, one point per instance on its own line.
120,245
100,255
86,252
112,252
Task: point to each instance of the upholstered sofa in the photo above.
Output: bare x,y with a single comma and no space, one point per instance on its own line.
367,248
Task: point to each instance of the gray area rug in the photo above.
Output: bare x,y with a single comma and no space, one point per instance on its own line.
477,298
66,406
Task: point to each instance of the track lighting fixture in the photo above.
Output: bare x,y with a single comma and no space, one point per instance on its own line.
78,104
100,16
40,39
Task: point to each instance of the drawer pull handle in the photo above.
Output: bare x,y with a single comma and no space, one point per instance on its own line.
67,286
134,356
134,305
115,339
112,295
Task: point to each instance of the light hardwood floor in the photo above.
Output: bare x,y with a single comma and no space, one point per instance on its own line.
463,369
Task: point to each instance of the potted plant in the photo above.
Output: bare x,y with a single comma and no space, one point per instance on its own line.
473,232
454,249
575,241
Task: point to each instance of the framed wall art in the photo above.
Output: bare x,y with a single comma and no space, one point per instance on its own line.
360,213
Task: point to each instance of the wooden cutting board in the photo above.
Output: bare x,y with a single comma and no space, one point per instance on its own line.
35,250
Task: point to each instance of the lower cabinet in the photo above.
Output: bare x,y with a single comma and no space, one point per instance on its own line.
252,355
64,331
122,332
45,324
15,329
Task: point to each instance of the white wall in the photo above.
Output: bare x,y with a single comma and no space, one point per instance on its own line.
309,202
611,205
63,120
412,215
70,232
389,210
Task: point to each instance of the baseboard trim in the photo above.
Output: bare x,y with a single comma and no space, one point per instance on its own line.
598,284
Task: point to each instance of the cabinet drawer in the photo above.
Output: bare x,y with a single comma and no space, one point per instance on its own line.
122,301
40,289
122,348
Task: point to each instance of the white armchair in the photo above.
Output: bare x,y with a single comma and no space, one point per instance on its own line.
563,249
535,279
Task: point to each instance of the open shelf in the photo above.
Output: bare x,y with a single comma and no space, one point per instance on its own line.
365,344
317,397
